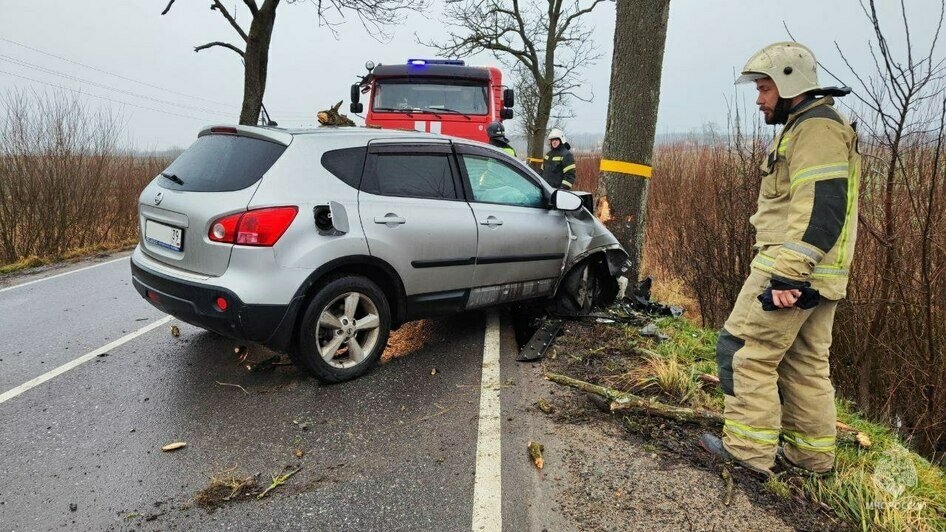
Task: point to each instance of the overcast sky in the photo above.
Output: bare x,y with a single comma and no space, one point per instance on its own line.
175,91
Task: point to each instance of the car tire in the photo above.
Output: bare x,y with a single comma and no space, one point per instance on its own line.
578,291
343,331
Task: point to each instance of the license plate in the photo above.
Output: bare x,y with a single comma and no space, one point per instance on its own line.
164,236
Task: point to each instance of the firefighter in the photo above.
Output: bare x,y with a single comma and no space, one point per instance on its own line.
497,137
773,364
558,168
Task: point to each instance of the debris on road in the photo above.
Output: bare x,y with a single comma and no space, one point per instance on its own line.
73,506
278,480
535,452
241,352
174,446
541,340
727,478
175,332
267,365
225,487
433,371
299,453
234,385
545,406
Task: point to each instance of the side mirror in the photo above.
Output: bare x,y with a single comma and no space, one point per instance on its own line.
506,114
356,108
355,93
509,98
564,200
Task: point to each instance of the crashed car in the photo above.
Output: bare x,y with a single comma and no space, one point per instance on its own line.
318,242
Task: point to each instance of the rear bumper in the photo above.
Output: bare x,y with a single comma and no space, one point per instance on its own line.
270,325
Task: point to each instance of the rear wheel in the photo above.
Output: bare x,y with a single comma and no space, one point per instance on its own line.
344,330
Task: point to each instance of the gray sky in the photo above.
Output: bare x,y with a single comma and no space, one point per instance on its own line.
309,69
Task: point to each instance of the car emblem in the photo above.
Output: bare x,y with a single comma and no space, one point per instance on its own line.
158,197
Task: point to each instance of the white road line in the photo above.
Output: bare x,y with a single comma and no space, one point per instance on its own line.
6,396
487,485
62,274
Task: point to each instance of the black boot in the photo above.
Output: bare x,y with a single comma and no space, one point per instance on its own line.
715,446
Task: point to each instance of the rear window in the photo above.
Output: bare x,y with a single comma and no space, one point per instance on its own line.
222,163
346,164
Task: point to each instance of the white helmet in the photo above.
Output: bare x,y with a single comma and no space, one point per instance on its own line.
557,133
791,66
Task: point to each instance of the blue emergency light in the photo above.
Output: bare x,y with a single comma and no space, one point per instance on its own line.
424,62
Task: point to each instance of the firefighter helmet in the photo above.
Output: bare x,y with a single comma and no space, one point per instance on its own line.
495,130
792,66
557,133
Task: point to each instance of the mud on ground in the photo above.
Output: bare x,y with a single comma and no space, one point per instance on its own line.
628,471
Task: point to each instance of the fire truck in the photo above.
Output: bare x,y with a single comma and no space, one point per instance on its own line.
433,95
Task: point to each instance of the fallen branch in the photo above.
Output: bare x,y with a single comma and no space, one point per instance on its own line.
278,480
628,401
234,385
535,452
727,478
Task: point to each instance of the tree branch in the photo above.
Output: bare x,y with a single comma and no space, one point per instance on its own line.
218,43
252,5
226,14
168,8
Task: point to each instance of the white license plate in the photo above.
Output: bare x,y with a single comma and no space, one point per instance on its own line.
164,235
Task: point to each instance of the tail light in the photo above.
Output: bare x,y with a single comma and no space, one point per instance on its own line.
259,227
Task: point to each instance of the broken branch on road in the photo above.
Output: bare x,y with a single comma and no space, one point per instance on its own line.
278,480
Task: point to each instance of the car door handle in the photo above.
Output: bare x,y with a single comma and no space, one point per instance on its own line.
389,219
491,221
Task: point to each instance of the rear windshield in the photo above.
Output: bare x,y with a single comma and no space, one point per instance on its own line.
221,163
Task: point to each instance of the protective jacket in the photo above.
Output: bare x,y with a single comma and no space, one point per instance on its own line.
558,168
806,222
503,146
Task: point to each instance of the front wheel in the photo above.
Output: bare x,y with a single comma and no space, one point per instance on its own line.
344,330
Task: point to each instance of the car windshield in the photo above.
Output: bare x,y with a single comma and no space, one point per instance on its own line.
433,96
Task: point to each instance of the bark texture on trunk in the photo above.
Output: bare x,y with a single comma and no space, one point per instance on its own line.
632,119
256,61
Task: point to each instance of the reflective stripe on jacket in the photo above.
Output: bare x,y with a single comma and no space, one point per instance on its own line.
806,222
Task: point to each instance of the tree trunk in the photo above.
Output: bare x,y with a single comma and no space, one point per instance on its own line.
543,110
632,118
256,61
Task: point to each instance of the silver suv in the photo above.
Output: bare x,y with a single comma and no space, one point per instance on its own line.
319,242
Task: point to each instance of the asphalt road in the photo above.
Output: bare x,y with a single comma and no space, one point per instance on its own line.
398,449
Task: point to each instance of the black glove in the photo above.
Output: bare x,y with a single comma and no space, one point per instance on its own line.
810,298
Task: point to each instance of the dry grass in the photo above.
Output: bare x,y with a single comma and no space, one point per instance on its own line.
65,182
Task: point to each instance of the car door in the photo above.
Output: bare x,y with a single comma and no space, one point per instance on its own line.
416,218
520,237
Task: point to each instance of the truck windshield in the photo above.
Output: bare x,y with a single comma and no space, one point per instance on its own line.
393,95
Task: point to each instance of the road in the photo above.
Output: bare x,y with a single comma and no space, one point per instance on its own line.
92,384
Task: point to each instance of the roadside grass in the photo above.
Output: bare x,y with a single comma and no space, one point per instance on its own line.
885,486
71,255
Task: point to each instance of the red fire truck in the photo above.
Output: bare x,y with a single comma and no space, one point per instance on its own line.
434,95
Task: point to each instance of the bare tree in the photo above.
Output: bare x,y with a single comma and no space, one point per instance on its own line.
544,41
374,15
632,121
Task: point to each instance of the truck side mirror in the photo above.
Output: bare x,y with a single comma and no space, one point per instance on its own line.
509,98
506,113
355,93
356,108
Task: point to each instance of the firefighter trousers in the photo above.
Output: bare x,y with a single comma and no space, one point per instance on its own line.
773,369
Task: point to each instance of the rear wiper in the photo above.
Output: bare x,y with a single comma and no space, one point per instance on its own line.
173,177
393,110
454,111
